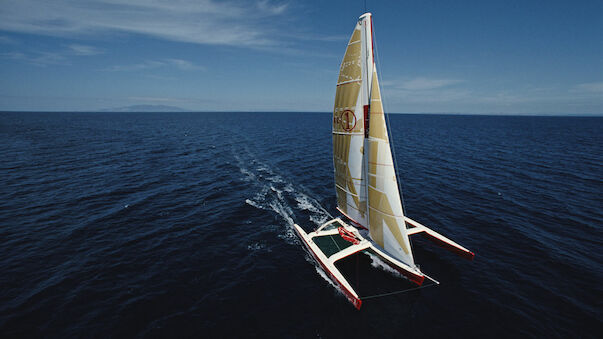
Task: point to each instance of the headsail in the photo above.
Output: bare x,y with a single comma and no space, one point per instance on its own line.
365,179
387,226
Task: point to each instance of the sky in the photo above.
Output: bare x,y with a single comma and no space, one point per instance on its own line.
476,57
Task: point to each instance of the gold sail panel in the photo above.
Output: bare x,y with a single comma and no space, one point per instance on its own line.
344,183
383,216
377,118
345,119
350,66
348,190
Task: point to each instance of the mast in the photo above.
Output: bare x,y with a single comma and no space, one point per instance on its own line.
367,53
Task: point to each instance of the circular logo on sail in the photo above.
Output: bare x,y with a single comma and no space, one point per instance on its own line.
347,120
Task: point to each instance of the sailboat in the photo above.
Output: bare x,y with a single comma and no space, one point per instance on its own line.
365,178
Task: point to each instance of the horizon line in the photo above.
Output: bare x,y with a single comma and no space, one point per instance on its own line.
318,112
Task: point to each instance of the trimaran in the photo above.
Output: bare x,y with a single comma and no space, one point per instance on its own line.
365,177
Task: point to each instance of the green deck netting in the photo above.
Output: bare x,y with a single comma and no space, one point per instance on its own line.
331,244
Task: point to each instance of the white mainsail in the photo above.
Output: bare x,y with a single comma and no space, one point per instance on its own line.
365,177
348,133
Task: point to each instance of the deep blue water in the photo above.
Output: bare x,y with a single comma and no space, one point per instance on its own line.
180,224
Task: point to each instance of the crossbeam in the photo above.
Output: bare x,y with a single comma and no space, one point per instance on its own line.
349,251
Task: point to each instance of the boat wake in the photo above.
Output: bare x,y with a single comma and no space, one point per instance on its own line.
276,194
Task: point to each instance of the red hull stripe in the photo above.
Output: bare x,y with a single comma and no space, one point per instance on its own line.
355,301
417,279
465,254
452,248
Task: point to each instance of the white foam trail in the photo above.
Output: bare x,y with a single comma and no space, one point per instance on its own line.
319,220
264,168
304,203
325,276
278,192
378,263
274,193
305,200
248,175
318,214
276,179
328,279
255,204
257,246
283,211
289,237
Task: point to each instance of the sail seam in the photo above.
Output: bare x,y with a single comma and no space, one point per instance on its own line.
380,211
376,189
348,192
353,207
347,133
378,139
379,164
354,178
348,82
378,176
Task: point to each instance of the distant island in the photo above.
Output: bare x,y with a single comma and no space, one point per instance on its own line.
145,108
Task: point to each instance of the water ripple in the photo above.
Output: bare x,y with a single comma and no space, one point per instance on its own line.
181,224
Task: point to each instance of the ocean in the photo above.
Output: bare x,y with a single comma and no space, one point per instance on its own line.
180,225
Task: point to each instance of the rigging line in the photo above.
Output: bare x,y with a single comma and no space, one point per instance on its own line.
397,292
388,125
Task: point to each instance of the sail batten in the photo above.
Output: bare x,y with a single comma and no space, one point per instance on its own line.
347,133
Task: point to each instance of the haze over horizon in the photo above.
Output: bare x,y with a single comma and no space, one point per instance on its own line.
501,57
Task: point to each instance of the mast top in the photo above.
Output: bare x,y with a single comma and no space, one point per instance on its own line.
367,14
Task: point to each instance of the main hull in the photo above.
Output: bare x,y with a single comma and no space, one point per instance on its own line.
327,260
349,293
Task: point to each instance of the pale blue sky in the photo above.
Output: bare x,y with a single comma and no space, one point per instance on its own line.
507,56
